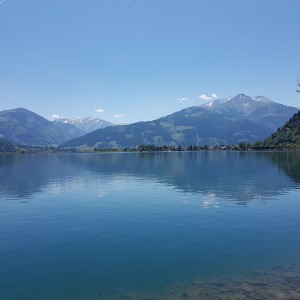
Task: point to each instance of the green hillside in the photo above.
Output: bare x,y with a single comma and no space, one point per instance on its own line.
286,137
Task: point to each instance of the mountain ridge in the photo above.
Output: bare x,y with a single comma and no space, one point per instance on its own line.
86,124
240,118
24,127
220,122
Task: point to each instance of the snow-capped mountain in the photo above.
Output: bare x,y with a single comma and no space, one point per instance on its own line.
221,122
262,99
22,126
87,124
259,109
239,101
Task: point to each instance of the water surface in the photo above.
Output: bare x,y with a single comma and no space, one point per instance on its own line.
197,225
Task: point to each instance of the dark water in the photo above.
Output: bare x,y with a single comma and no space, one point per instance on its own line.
187,225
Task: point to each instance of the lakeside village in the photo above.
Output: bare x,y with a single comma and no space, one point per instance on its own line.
242,146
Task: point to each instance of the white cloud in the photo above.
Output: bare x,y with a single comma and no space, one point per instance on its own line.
99,110
55,116
208,97
183,99
205,97
118,116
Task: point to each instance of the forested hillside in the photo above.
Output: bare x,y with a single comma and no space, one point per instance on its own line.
288,136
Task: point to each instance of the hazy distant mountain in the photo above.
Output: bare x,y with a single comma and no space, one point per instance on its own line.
221,122
21,126
87,124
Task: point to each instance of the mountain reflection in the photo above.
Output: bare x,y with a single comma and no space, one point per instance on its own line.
238,176
288,161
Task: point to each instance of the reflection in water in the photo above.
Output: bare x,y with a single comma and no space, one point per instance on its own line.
23,175
239,176
289,161
140,226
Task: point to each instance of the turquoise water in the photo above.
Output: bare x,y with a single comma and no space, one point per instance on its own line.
197,225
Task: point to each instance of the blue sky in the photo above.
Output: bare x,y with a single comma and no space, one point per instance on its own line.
133,60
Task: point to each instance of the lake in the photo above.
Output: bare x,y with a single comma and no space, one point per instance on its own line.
175,225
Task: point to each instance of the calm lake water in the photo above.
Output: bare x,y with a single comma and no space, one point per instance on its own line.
186,225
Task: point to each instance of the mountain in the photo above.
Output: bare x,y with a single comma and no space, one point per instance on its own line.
288,136
259,110
6,146
87,124
221,122
21,126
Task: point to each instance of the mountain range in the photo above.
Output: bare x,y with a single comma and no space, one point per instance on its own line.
87,124
221,122
24,127
21,126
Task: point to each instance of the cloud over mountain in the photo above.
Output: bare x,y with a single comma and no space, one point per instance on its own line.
213,96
